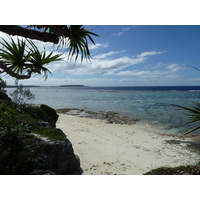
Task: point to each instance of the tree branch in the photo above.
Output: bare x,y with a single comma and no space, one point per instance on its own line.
29,33
15,75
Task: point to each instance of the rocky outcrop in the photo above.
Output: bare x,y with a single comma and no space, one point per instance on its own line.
31,145
4,96
45,113
109,116
57,158
31,154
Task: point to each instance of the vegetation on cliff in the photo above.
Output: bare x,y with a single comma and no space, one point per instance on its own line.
30,143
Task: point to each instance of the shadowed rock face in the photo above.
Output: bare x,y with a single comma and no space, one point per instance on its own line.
45,113
57,158
36,155
4,96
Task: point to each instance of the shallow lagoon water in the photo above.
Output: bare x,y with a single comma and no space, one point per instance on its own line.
144,103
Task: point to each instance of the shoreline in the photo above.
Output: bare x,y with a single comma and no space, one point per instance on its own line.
108,116
123,149
118,118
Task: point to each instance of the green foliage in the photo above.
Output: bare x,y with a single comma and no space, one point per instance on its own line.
20,150
21,57
74,38
77,41
180,170
21,96
38,59
14,54
52,134
12,121
193,115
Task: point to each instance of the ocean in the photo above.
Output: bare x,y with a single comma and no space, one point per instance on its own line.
148,104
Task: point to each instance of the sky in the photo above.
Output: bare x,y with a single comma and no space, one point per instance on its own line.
130,55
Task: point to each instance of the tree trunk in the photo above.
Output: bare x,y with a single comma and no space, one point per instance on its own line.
29,33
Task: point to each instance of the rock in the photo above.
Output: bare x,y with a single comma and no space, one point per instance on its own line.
51,113
29,144
45,113
43,172
59,157
4,96
44,124
39,157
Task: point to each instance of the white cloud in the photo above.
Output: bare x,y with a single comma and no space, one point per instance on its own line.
105,64
150,53
98,45
126,29
105,55
174,67
167,74
122,31
134,73
118,34
101,66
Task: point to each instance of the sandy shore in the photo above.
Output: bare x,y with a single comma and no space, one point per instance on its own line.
123,149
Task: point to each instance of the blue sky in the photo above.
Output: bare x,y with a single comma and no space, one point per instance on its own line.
132,55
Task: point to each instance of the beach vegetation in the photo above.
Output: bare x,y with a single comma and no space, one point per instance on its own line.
180,170
22,58
21,96
22,138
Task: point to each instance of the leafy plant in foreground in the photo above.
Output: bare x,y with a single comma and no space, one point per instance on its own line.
22,58
193,114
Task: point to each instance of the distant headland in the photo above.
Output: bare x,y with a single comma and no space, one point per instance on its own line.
14,86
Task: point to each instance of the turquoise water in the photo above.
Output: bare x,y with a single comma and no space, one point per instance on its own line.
146,104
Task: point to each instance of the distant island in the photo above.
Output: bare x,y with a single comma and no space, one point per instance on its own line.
14,86
72,86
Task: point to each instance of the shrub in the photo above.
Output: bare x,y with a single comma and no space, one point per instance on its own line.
21,96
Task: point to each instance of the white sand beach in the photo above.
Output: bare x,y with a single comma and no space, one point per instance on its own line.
122,149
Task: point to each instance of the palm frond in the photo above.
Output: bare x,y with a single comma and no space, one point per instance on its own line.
38,59
77,41
192,130
21,58
193,115
13,54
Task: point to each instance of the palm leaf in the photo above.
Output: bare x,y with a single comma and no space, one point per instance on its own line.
192,130
77,42
20,57
193,114
72,38
13,54
38,59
